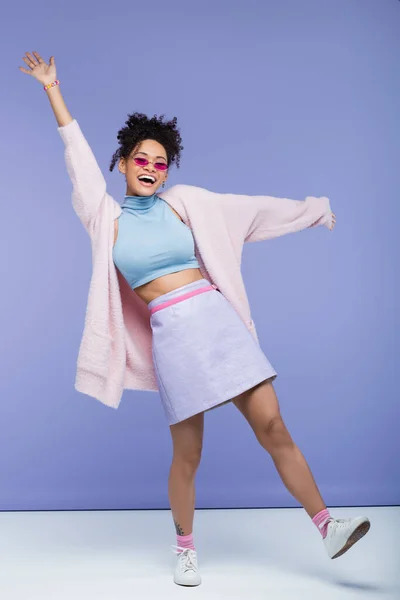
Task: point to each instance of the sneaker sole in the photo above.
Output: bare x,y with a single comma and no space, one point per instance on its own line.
187,584
357,534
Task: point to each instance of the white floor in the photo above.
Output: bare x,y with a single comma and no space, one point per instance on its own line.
246,554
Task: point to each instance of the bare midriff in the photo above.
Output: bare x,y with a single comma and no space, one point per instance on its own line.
166,283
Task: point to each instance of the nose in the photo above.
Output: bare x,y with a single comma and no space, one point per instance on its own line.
151,167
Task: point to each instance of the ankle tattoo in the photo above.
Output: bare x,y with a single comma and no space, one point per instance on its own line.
178,528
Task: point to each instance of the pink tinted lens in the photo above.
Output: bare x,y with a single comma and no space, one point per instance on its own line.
141,161
161,166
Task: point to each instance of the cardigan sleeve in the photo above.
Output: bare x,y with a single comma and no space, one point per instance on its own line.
258,218
88,183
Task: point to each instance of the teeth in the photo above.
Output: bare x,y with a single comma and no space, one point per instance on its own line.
147,178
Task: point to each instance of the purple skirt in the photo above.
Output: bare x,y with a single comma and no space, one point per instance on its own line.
203,353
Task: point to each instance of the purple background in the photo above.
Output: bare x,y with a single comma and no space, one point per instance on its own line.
287,98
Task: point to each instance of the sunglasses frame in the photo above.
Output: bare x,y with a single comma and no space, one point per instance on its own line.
136,158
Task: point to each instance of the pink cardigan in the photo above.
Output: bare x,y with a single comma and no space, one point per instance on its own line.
115,350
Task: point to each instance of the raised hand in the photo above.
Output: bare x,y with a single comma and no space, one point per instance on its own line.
333,222
38,68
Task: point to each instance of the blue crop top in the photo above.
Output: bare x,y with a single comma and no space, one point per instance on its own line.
151,241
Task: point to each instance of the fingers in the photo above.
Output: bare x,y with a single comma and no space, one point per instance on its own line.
38,57
29,60
34,61
25,71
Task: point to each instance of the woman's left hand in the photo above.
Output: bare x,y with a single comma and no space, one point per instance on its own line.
333,222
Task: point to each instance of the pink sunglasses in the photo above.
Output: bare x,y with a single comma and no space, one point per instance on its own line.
142,162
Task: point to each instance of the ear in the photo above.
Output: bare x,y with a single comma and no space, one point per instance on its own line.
122,165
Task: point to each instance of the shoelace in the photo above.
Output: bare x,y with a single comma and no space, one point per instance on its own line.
186,557
332,520
341,522
338,523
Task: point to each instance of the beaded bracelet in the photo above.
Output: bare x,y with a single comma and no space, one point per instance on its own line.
50,85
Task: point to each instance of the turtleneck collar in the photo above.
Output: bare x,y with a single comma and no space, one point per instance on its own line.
139,202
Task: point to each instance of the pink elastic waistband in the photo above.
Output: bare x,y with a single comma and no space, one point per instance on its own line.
183,297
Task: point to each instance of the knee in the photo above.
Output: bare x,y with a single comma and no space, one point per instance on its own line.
187,460
273,435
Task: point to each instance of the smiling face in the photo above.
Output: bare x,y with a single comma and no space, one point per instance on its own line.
144,180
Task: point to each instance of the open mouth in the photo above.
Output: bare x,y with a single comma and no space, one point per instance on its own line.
147,180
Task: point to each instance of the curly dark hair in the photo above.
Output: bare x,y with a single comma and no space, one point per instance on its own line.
139,127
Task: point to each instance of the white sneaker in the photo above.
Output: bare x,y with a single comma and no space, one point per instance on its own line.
186,572
343,533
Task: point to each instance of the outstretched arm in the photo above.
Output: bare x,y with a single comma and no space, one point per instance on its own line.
88,183
259,218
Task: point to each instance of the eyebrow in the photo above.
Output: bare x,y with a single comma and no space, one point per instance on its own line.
163,157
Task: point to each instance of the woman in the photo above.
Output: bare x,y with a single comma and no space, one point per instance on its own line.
202,352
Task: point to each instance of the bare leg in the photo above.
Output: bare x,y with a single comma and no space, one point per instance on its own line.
187,437
261,409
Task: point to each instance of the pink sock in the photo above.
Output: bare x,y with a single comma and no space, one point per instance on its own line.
185,541
321,521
